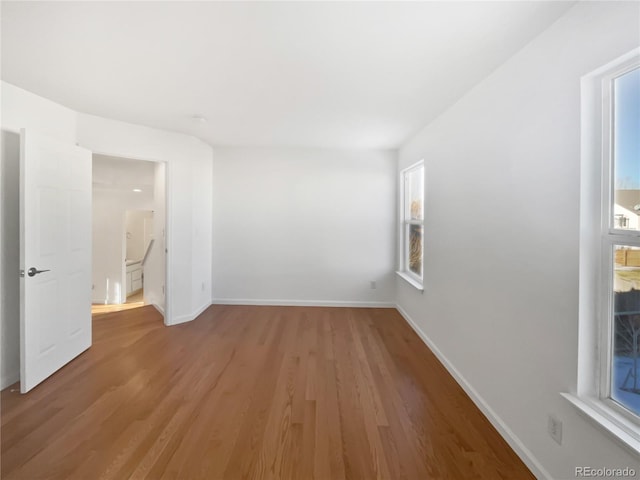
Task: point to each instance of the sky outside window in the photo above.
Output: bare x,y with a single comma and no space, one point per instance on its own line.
626,138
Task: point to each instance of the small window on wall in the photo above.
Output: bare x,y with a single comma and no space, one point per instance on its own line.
412,224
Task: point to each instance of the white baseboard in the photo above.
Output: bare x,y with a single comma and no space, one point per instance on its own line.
188,318
9,379
200,310
158,308
301,303
514,442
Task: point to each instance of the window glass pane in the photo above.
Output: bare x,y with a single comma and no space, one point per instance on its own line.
415,249
414,194
625,367
626,150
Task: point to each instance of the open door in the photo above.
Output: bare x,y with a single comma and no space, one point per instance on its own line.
55,256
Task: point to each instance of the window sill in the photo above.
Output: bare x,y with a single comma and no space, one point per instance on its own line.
622,429
413,282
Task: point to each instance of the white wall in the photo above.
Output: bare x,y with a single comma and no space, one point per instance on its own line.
501,299
189,169
136,222
201,190
109,246
10,283
303,225
22,109
154,268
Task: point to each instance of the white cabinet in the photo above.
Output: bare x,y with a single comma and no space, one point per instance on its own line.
134,278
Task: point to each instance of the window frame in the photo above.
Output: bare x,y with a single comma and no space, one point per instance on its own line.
610,237
598,238
405,225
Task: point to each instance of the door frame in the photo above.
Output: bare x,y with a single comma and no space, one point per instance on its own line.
168,315
13,377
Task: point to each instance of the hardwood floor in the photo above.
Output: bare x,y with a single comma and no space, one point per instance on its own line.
252,392
134,301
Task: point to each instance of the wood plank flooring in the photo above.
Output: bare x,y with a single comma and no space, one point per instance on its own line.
134,301
252,392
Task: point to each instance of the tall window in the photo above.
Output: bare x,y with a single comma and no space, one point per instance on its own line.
608,383
621,239
412,225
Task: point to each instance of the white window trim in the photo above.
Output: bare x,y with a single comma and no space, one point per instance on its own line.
596,250
410,280
403,271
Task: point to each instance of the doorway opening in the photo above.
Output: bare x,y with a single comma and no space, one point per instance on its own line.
129,221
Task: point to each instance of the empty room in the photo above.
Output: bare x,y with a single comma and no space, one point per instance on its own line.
320,240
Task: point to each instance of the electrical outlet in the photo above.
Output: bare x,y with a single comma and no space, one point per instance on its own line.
554,428
373,284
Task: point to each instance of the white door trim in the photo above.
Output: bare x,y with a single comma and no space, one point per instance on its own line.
168,312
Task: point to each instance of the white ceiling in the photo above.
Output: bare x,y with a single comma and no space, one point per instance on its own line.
333,74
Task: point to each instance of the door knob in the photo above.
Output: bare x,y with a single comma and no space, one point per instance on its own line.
32,272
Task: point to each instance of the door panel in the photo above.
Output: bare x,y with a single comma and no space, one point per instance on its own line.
55,237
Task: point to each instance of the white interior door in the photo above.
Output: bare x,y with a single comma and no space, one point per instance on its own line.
55,256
